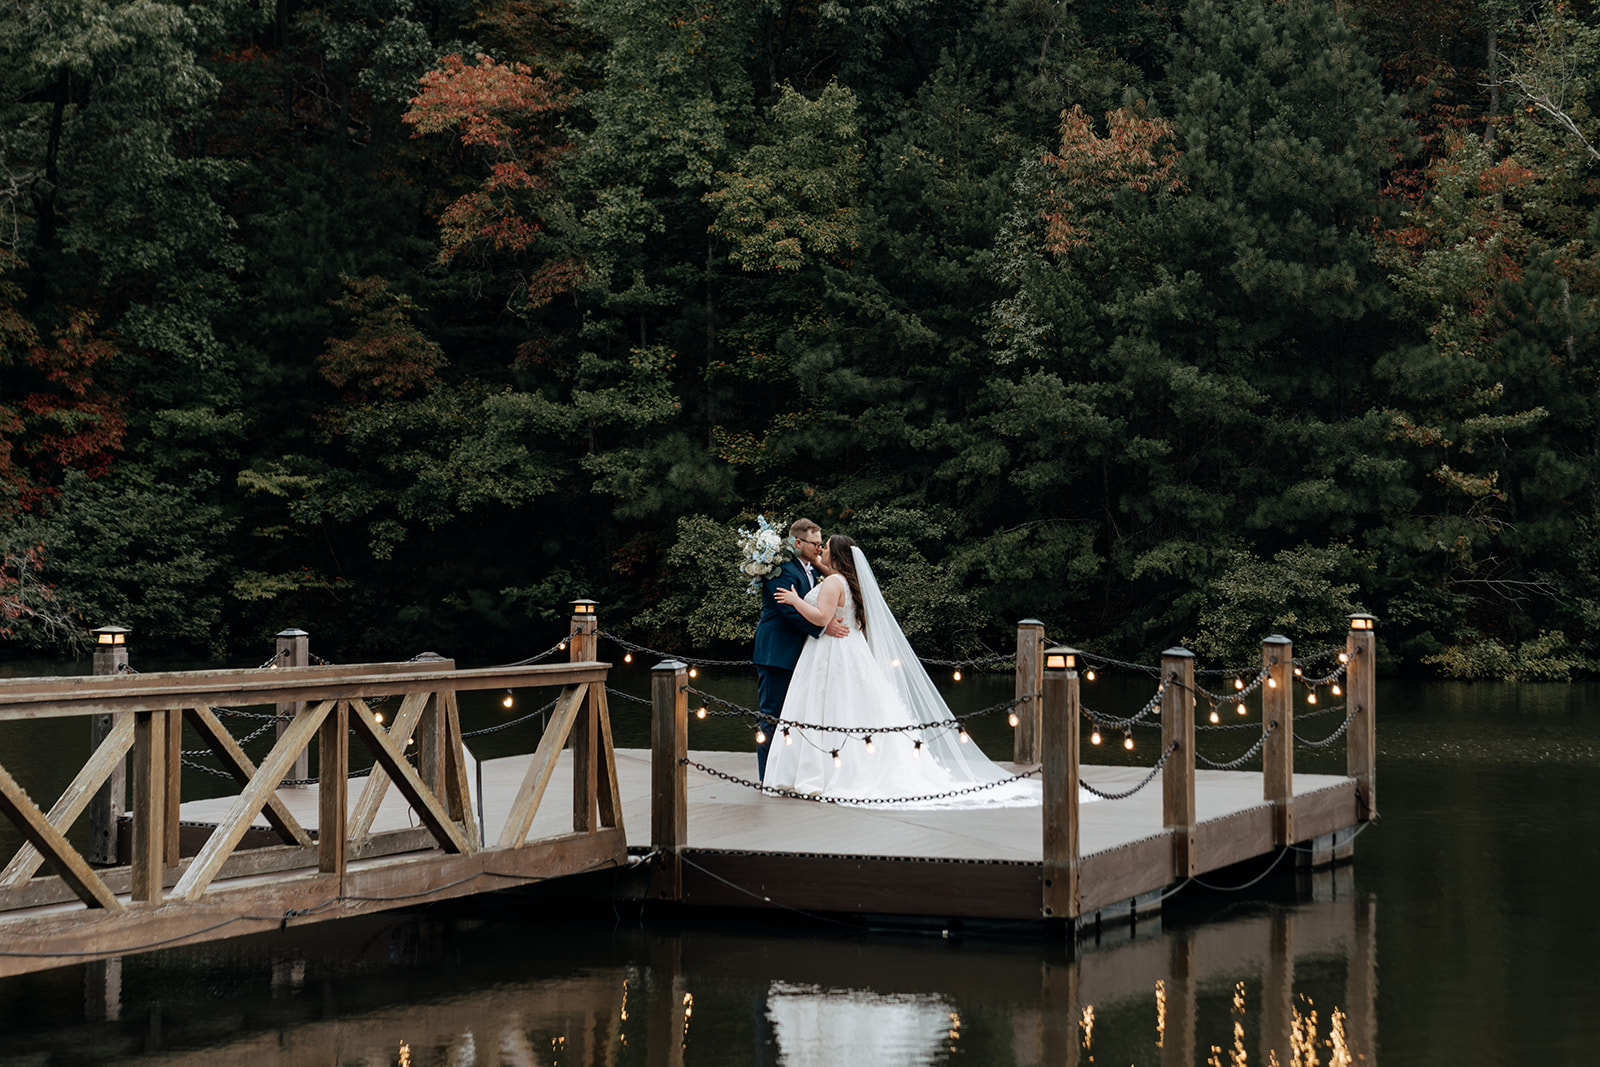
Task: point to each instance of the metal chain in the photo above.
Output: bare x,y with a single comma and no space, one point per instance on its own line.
736,711
1115,723
1331,738
1262,740
846,801
1162,762
508,725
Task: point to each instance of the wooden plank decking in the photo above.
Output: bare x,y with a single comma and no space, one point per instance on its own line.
751,850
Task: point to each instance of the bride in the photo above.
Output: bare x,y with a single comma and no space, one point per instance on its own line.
862,721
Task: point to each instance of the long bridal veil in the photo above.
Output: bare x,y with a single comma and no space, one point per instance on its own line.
894,655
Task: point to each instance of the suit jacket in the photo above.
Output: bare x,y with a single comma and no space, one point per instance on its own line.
782,631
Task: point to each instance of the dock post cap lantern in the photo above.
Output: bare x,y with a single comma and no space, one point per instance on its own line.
583,607
1060,658
1362,622
292,632
110,635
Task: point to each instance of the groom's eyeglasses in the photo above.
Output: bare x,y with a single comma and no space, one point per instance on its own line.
813,544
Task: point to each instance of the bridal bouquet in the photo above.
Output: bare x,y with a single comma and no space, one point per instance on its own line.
762,551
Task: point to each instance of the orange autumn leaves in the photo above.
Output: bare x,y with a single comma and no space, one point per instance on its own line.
1136,153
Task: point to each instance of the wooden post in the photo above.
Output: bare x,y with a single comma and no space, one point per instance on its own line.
333,788
149,804
1361,740
111,800
584,647
1177,778
1030,660
669,778
1277,751
294,650
1059,736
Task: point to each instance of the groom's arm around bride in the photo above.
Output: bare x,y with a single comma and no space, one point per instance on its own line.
782,632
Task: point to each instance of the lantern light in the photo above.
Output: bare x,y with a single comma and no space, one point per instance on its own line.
1061,658
1361,622
583,607
116,635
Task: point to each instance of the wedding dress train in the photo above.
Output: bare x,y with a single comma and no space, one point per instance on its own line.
863,723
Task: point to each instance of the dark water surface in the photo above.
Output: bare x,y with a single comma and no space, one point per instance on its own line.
1460,935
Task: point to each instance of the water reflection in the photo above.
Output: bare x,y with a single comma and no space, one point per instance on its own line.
1286,983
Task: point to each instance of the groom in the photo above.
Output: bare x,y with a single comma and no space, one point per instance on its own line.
782,631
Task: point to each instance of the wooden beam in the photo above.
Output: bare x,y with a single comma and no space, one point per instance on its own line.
372,794
1177,742
525,804
75,799
609,798
250,802
53,845
149,804
220,741
92,695
1026,741
428,808
1277,748
333,788
457,789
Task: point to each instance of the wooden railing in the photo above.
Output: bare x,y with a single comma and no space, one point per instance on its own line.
1047,735
147,712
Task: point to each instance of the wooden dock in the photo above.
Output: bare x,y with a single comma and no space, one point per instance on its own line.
676,821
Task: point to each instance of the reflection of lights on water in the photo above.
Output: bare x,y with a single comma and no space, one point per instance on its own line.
688,1010
1161,1013
405,1055
1087,1025
955,1029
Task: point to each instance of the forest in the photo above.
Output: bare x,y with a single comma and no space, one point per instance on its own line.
1165,322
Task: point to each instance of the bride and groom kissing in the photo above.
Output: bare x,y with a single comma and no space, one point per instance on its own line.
848,712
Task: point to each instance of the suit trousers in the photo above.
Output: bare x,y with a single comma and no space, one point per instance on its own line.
772,687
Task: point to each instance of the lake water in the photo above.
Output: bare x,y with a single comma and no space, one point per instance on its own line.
1458,936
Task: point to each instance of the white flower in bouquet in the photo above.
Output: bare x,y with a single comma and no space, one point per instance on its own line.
762,551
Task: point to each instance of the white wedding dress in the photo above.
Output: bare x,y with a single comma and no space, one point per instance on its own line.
867,688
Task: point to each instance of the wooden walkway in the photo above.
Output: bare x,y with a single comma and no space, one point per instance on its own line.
753,850
408,835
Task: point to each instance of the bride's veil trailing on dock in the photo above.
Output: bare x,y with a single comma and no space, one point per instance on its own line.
895,656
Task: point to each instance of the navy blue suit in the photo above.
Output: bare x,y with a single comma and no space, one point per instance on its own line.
780,635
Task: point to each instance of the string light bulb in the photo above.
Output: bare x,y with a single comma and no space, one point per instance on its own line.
1337,690
836,761
1089,674
377,716
1344,657
1214,716
956,676
1298,673
786,738
870,749
1242,709
1094,737
627,657
1311,697
1012,718
1272,683
700,712
916,750
562,646
761,736
963,735
507,701
694,672
1127,742
1238,683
